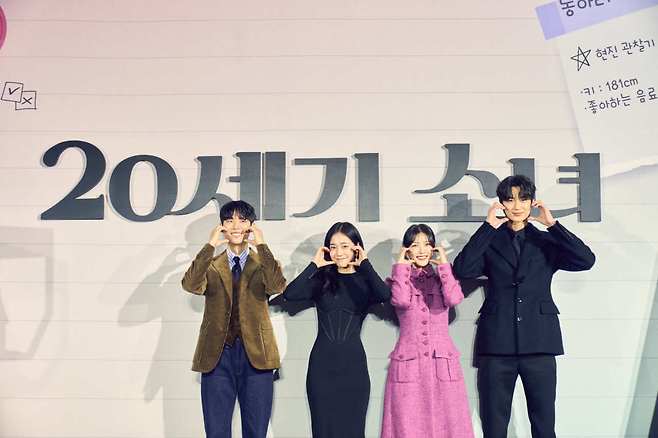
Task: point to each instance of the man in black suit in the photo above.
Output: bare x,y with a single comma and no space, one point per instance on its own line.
518,330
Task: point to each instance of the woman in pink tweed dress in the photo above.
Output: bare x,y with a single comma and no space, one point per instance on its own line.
425,395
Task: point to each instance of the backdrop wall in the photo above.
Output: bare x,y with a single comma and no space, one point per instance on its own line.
97,335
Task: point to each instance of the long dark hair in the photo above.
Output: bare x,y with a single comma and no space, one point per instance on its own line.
329,274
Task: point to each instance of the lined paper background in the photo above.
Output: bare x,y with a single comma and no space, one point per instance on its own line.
97,336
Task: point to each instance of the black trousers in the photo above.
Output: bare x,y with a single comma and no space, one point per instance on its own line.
496,380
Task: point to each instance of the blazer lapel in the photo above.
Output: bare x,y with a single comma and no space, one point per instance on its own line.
502,244
221,266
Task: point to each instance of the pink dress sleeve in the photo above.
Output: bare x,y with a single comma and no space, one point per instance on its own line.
400,285
450,287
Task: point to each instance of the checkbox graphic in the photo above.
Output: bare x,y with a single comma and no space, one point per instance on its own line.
28,101
12,92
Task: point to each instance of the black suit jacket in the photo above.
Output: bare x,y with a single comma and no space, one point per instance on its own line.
518,315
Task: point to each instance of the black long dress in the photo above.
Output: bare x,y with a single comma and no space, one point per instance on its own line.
337,382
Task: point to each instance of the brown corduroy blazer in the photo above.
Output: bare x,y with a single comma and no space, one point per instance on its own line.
261,277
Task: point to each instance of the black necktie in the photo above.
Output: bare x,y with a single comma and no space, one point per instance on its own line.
516,243
236,271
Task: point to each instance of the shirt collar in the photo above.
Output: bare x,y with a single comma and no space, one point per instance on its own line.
243,257
520,233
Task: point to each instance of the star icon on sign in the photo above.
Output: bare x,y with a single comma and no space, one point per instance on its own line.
581,57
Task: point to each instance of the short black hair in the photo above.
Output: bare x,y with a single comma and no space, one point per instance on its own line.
243,209
526,187
414,230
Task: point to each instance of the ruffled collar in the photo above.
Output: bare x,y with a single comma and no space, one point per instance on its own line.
425,271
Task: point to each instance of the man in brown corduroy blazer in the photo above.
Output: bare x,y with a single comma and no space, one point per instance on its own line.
236,351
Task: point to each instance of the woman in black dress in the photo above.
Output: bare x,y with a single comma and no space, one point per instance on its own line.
343,284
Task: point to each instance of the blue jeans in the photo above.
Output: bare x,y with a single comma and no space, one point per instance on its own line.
232,378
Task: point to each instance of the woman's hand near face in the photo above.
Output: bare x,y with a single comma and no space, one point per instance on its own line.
359,255
405,256
442,258
319,259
